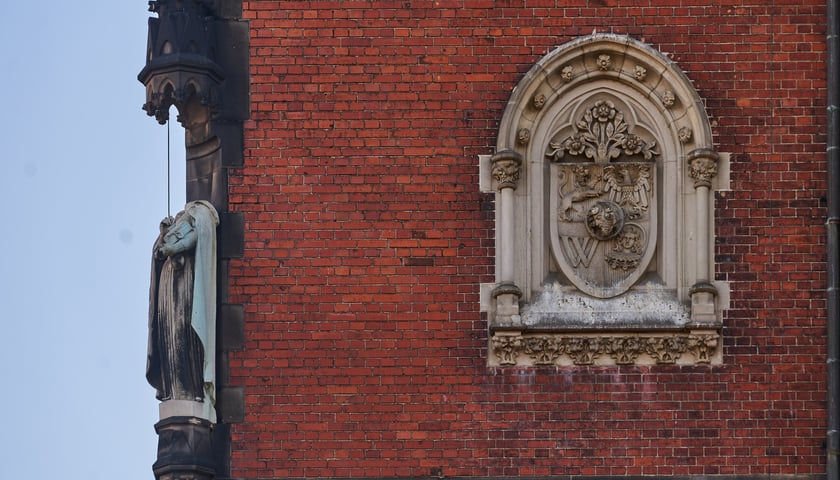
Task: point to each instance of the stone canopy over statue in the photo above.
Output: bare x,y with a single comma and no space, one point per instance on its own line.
182,313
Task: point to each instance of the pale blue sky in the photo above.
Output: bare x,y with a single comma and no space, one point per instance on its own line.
83,187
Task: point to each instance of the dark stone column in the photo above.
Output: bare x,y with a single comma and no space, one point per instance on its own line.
198,60
185,449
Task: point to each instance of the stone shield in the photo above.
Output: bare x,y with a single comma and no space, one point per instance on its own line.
603,223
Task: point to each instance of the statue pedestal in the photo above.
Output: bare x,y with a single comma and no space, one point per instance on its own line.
186,408
184,449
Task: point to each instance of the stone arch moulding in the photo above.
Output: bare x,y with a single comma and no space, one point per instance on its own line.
603,174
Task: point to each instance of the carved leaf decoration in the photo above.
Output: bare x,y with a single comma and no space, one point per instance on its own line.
605,134
544,350
587,120
621,127
557,151
624,350
648,150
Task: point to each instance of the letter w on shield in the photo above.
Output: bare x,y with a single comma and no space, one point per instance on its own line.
579,250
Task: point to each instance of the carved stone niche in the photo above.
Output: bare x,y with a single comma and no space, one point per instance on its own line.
604,234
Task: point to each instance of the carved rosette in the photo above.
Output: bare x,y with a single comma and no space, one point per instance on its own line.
604,62
628,349
523,136
702,167
685,134
640,73
668,99
567,73
506,168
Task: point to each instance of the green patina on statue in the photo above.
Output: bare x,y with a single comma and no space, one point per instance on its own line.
182,313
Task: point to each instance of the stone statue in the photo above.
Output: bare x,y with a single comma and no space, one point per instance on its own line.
182,313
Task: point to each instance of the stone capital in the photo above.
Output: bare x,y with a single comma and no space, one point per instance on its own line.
506,168
702,166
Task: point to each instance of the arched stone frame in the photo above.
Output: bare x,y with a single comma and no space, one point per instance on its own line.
675,301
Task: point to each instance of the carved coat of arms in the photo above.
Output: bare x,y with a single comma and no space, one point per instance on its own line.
603,202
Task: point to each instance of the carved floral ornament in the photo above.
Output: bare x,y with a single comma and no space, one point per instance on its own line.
616,349
702,167
567,73
602,136
506,169
668,99
640,73
604,62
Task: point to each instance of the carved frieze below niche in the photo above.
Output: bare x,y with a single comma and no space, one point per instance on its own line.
561,349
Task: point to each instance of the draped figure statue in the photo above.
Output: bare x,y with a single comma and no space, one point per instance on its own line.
182,312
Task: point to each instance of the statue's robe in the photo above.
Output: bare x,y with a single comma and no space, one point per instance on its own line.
176,354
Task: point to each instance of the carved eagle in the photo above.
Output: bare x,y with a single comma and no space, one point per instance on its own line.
633,194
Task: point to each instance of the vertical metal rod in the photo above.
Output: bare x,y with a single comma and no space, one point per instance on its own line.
832,250
168,172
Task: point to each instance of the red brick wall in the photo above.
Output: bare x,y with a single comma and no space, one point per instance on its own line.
367,238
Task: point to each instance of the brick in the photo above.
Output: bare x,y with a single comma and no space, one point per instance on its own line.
366,240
